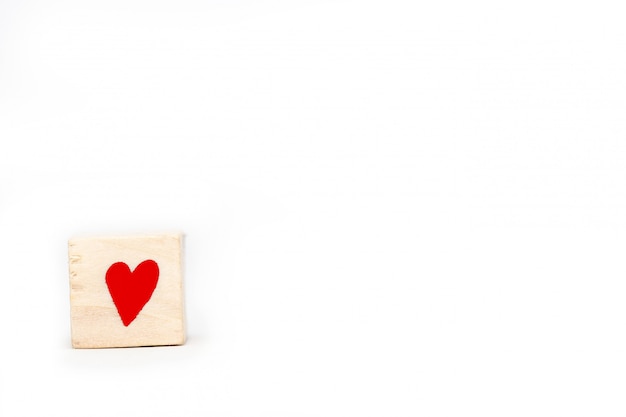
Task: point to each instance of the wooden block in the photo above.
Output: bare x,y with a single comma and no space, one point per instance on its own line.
126,291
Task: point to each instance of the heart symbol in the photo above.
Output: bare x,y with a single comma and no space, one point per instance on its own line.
131,291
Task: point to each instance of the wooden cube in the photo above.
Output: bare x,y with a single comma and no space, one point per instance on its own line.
126,291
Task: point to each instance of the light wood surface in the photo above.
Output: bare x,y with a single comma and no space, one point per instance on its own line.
95,322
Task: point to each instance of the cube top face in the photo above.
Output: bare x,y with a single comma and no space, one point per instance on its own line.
126,291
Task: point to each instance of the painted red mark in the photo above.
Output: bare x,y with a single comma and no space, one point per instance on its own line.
131,290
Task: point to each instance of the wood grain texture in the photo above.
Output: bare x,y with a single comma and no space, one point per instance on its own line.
95,320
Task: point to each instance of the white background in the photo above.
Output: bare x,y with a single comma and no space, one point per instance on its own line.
391,208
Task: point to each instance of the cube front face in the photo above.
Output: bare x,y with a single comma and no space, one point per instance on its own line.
126,291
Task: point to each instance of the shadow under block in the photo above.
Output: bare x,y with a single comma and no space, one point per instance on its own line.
126,291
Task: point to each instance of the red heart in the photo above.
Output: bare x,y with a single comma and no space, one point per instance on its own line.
131,290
